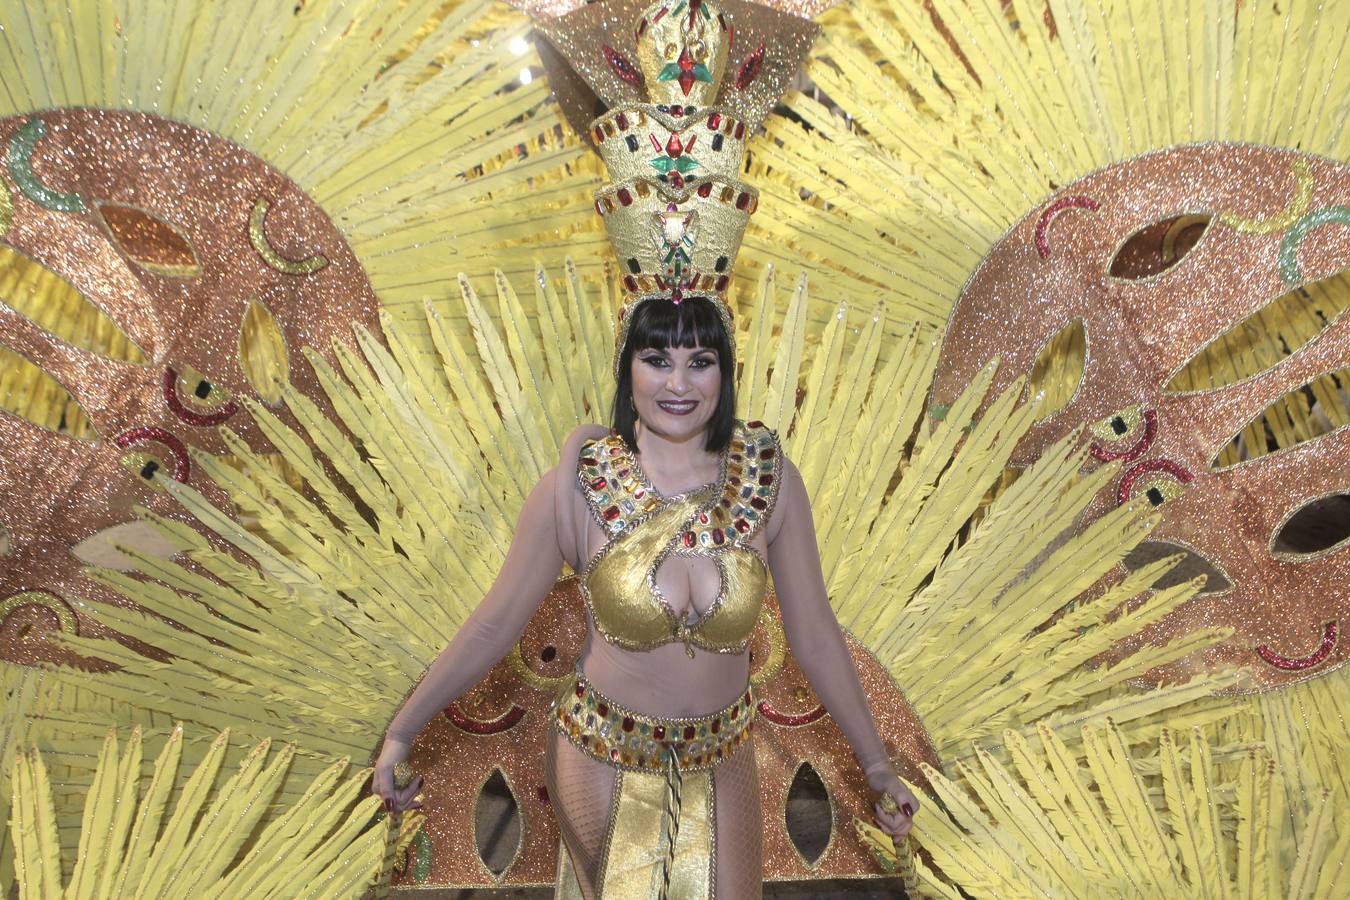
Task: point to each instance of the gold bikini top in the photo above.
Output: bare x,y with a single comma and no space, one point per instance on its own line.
715,522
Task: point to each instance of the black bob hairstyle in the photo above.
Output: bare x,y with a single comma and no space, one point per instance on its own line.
659,325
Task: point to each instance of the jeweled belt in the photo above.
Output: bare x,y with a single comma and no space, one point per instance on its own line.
621,737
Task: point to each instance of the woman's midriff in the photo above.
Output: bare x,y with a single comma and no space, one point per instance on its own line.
664,681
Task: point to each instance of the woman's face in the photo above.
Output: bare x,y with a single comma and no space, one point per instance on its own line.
675,390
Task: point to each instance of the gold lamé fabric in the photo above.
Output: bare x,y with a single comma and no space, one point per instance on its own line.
716,523
172,233
1157,257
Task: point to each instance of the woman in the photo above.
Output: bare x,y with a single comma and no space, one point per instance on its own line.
649,766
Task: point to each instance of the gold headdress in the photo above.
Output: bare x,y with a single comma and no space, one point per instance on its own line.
684,84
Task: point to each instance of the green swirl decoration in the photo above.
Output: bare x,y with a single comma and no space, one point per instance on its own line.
1314,220
21,170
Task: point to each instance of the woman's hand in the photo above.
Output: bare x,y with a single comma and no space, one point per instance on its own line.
898,822
396,799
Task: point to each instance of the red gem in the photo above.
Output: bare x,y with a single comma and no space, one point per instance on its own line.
622,121
611,514
599,135
581,690
740,130
689,539
621,66
735,709
716,726
642,760
714,121
766,480
589,461
677,110
755,424
721,283
689,732
614,754
627,723
766,453
677,180
660,15
598,484
673,146
626,198
742,200
749,69
659,732
631,283
742,526
717,535
747,698
758,503
602,709
686,76
705,189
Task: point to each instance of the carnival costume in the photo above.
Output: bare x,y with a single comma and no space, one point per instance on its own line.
675,221
233,345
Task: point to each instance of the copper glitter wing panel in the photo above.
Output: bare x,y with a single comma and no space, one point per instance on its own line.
177,237
1277,220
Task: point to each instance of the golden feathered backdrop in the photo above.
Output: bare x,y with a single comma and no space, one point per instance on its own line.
264,443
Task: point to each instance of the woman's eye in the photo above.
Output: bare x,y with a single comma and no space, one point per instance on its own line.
654,360
702,363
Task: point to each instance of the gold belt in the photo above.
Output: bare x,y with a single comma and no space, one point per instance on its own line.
621,737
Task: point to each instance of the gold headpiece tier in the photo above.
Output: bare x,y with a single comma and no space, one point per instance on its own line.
686,82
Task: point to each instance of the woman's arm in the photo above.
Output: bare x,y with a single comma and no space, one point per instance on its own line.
818,644
528,573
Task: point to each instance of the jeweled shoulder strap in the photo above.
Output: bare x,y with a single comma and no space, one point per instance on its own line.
753,470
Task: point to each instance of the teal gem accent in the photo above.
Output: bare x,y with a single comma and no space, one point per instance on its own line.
21,168
683,165
644,729
672,72
663,164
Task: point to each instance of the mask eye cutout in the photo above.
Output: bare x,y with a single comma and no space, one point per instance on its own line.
1266,337
808,803
497,831
1059,369
1157,247
57,307
36,397
195,399
1303,414
1318,527
1125,435
149,241
263,354
1159,480
1191,565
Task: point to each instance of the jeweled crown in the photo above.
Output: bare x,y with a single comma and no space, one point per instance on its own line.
673,137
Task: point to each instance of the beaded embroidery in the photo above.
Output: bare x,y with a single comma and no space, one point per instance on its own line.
632,741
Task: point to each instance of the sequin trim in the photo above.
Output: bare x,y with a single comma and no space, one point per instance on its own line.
787,720
21,148
6,208
53,603
1053,210
1134,451
1145,468
1294,664
258,237
634,742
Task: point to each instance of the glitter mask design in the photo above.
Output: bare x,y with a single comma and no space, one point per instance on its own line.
177,237
1231,229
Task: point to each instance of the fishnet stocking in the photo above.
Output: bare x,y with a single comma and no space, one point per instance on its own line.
740,830
581,791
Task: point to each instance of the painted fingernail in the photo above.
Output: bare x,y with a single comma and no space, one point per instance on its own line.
909,810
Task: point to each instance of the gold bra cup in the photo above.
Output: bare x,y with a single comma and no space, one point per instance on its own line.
631,615
716,523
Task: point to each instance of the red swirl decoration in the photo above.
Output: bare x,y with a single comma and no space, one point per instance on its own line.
1054,209
189,416
505,722
790,721
1153,465
150,435
1136,449
1298,663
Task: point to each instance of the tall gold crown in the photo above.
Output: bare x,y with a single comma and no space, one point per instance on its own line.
684,83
